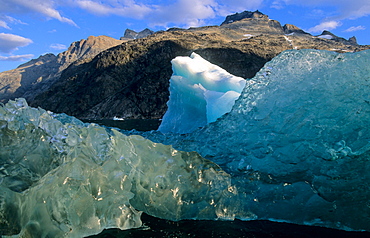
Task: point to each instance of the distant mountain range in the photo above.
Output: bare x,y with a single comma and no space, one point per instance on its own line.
102,77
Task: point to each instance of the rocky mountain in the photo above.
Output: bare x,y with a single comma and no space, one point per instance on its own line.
131,80
132,35
16,82
258,23
256,15
35,76
330,36
84,50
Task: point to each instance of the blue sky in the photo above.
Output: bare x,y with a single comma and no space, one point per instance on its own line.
30,28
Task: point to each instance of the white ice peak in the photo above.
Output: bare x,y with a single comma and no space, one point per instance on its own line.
200,92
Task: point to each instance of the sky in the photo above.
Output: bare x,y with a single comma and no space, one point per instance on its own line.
30,28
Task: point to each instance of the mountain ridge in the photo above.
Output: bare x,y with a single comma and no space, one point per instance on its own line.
36,75
132,35
131,79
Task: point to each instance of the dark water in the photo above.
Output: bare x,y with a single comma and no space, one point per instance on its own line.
155,227
129,124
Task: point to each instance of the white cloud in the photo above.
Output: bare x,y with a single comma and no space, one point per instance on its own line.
4,20
352,9
58,46
157,13
94,7
183,12
16,57
355,28
10,42
331,12
188,13
344,9
327,25
43,7
227,7
277,4
127,8
3,24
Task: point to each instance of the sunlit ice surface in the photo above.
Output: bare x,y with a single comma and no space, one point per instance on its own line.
200,92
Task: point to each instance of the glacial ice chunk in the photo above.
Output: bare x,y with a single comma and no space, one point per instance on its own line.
200,92
60,177
295,147
297,140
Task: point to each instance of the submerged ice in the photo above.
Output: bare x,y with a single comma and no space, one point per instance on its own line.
295,147
200,92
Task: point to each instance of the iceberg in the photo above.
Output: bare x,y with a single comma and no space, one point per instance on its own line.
200,92
297,141
295,147
60,177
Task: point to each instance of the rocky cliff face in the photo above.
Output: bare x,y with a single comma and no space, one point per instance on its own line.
16,82
289,29
84,50
257,15
35,76
132,35
330,36
131,80
253,22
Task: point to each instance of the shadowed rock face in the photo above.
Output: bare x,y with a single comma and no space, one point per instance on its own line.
126,80
253,22
257,15
37,75
331,36
131,80
289,29
16,82
132,35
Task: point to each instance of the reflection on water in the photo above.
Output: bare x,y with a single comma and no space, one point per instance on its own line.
129,124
